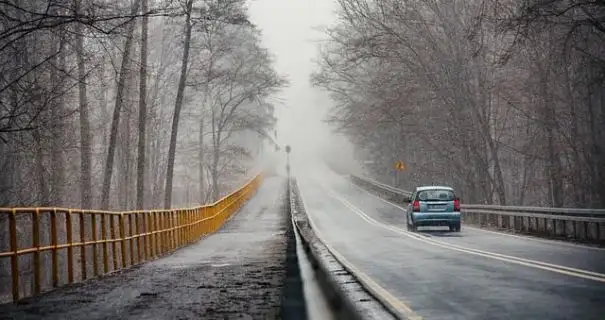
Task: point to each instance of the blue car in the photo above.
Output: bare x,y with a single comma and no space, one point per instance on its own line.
433,206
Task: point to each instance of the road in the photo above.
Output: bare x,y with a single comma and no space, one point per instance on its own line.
474,274
236,273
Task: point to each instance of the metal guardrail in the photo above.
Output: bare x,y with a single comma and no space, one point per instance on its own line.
340,286
575,223
112,240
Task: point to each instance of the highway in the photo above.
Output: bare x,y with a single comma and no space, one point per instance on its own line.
474,274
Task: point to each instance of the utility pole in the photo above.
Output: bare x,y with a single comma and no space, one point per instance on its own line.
288,149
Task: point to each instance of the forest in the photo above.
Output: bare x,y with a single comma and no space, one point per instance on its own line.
502,99
124,105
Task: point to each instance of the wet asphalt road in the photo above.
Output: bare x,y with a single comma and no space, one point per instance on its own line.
439,281
237,273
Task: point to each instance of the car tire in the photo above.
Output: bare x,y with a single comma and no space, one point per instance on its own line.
457,227
411,226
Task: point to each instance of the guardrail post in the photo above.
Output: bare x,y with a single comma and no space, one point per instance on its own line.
189,231
131,236
70,247
153,236
36,244
147,238
12,225
122,240
104,245
95,258
82,246
114,239
173,214
161,230
54,242
140,238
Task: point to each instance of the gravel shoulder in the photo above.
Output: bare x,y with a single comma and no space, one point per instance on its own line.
237,273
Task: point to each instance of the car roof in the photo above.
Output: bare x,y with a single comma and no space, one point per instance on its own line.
433,188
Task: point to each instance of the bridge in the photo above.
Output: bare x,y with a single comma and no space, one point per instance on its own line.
316,245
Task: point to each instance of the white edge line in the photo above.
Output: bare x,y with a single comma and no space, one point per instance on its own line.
547,241
386,296
511,259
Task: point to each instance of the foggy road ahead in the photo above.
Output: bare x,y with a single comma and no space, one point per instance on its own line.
474,274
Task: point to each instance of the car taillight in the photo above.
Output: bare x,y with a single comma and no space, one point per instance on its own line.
456,205
416,206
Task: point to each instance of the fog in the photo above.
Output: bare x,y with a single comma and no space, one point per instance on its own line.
293,31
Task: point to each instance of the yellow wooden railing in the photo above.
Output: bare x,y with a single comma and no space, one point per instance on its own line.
105,241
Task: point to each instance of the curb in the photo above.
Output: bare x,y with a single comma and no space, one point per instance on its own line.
348,296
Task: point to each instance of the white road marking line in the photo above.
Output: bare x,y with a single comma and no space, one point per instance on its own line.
553,242
395,303
516,260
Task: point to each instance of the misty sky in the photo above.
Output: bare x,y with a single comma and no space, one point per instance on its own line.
290,30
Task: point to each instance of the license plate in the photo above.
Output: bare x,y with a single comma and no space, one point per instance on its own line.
438,206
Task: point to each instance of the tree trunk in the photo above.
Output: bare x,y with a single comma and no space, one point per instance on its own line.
57,160
44,195
85,140
201,156
177,108
116,114
142,110
214,171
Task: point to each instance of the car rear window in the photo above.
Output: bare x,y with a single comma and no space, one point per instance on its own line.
435,195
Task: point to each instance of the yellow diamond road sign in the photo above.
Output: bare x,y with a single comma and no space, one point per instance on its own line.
399,165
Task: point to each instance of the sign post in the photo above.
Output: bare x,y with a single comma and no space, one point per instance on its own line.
288,149
399,166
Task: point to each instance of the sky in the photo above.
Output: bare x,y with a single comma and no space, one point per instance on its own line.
290,31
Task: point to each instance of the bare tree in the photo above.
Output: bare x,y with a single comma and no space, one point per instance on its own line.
486,79
124,69
178,103
142,110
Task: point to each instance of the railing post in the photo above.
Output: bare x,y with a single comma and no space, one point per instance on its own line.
114,239
154,235
36,244
70,248
147,238
173,214
95,259
184,227
137,219
83,246
104,239
162,232
122,240
54,242
12,225
132,239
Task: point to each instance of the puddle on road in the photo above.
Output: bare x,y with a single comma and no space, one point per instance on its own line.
220,265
